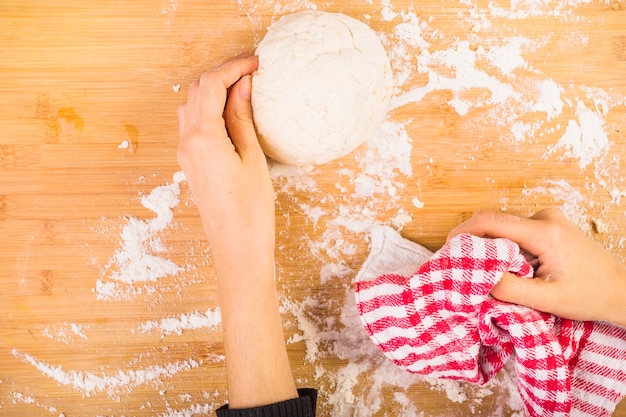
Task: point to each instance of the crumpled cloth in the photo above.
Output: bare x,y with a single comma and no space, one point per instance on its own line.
432,314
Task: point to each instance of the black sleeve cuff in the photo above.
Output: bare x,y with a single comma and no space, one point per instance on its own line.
303,406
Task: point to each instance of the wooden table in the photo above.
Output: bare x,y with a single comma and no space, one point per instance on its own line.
88,97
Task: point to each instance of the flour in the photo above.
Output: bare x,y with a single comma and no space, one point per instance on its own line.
549,100
462,61
120,381
572,201
524,9
387,12
417,203
508,57
138,259
191,411
585,138
332,271
21,398
67,333
410,29
190,321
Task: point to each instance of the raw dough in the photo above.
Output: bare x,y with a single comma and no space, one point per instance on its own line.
323,85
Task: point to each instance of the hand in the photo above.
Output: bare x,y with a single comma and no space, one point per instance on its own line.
229,179
224,164
575,277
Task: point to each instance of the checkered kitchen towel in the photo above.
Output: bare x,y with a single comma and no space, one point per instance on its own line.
441,321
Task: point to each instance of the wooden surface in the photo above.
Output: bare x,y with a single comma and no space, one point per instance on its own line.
88,97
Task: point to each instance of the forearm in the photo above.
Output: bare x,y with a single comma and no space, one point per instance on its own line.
228,176
258,369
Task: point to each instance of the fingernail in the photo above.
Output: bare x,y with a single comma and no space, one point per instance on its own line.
245,87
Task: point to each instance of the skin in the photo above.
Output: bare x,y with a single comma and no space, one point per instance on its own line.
229,179
576,277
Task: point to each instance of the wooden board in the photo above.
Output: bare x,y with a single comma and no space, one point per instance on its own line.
88,97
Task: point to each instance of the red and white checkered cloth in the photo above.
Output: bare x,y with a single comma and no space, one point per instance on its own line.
441,322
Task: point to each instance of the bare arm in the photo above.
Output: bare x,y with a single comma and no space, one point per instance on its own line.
576,277
228,177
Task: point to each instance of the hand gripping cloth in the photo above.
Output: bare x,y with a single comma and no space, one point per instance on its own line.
441,322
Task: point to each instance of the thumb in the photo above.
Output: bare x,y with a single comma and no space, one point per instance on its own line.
239,120
529,292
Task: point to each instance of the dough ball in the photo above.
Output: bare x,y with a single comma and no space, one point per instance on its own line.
323,85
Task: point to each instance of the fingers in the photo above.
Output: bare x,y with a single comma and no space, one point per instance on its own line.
528,233
239,119
207,97
214,84
534,293
230,71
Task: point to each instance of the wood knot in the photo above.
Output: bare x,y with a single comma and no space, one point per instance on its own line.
48,232
7,157
46,281
3,207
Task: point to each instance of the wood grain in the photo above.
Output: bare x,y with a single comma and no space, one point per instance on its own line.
80,79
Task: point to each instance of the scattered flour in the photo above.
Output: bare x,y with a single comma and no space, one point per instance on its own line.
462,60
66,333
138,259
572,201
190,321
508,57
191,411
585,138
30,399
549,100
114,384
417,203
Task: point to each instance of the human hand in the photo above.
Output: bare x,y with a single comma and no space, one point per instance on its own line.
575,277
229,179
225,167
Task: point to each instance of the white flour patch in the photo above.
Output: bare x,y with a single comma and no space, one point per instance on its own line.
191,411
139,258
524,9
31,399
417,203
573,202
331,271
585,138
210,319
508,57
67,333
549,100
291,177
387,12
461,60
114,384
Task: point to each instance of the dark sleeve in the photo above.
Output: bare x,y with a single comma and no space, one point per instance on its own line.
303,406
